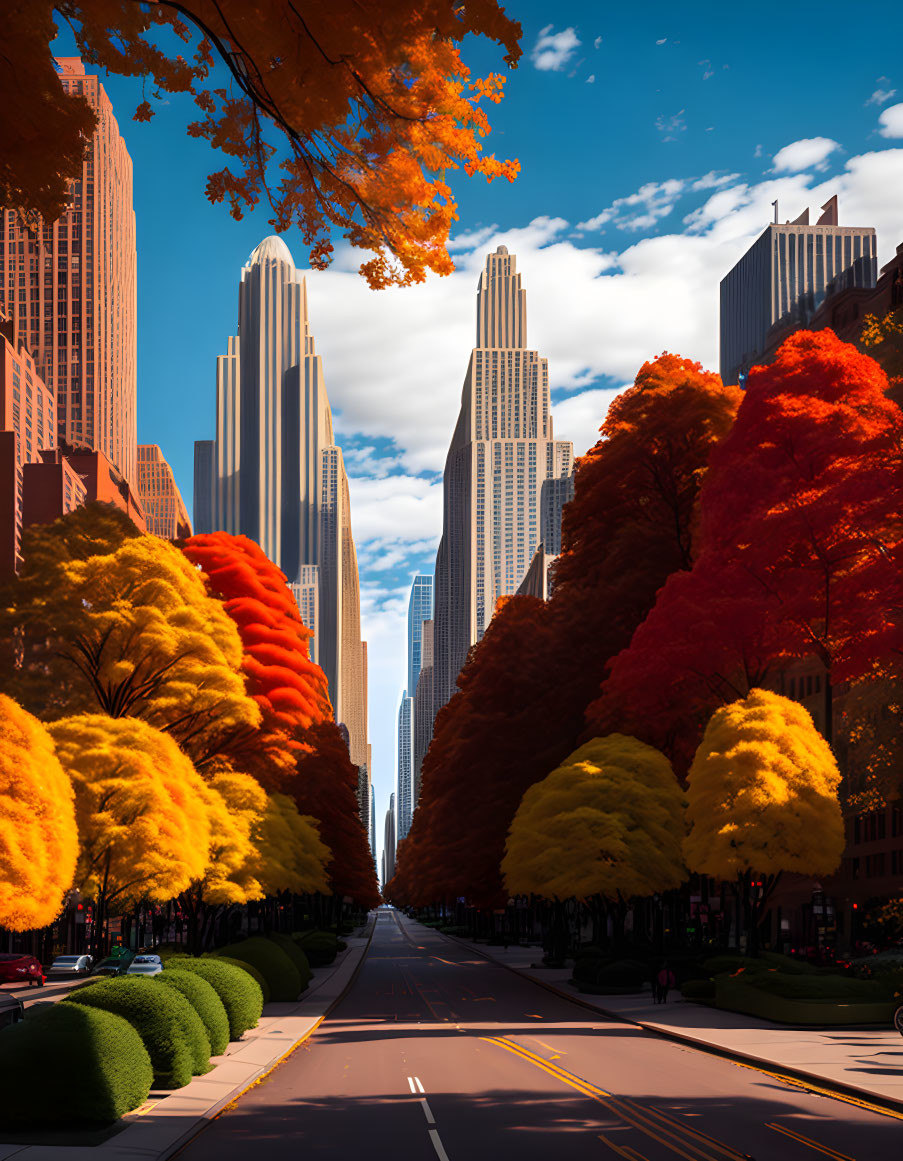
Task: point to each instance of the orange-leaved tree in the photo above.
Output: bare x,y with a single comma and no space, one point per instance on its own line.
38,838
522,695
343,116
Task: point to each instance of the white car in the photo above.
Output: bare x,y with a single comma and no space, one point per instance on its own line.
145,965
71,965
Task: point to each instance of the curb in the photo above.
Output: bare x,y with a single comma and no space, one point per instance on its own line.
808,1080
210,1115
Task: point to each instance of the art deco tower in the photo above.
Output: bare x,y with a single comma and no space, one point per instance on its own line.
275,474
501,452
70,290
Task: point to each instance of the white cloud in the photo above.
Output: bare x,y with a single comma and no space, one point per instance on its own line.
553,50
663,40
891,121
591,79
394,509
809,153
881,96
472,239
597,43
670,127
641,210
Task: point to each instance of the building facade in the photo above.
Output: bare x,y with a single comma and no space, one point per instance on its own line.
502,451
388,860
423,708
420,609
70,288
27,428
405,775
784,278
274,473
164,508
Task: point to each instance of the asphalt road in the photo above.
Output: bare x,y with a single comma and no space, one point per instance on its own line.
434,1053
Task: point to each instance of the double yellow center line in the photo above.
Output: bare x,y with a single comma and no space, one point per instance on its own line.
688,1143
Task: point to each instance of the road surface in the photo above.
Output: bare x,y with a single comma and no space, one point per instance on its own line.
436,1053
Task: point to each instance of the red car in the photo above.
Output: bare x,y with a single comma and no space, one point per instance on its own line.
16,968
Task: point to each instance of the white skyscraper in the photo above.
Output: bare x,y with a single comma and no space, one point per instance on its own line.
405,778
502,451
275,474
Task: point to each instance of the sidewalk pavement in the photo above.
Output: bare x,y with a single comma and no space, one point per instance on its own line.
170,1118
866,1061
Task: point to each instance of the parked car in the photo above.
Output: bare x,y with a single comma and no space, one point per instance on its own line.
16,968
12,1010
114,965
145,965
71,965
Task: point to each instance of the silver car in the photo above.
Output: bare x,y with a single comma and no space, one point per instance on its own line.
71,965
145,965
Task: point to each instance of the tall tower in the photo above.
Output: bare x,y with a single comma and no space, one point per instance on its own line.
502,451
784,277
420,609
405,777
389,842
70,289
275,474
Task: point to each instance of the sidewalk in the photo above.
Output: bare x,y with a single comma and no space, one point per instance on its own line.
170,1118
868,1062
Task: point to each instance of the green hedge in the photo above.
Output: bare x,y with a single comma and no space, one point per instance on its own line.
255,973
820,987
320,947
735,996
698,989
170,1028
281,975
204,1000
619,975
70,1064
295,953
241,995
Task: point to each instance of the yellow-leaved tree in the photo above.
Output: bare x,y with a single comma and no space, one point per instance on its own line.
132,632
291,856
762,799
38,839
605,825
141,807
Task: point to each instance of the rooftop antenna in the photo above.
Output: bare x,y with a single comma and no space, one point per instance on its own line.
775,204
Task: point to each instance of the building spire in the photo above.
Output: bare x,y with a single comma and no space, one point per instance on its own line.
501,303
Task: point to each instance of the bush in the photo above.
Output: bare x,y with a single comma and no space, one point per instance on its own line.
239,992
204,1000
820,987
698,989
619,975
68,1063
456,929
277,969
718,964
295,953
170,1028
320,947
247,968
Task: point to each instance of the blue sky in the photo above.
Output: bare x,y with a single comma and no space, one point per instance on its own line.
652,142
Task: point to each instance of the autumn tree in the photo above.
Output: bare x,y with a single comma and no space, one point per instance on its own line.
523,692
291,690
132,632
141,809
762,799
289,853
325,788
342,117
607,823
38,837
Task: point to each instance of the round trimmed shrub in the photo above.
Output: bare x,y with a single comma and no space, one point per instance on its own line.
70,1064
170,1028
277,969
698,989
239,992
248,969
295,954
206,1003
320,947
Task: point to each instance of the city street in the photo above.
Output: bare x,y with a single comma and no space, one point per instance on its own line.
436,1053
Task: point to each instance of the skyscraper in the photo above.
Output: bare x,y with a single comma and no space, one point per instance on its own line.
420,609
502,450
785,276
69,288
423,709
405,782
164,508
275,474
389,842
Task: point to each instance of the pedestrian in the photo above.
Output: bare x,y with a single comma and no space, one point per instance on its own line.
665,980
